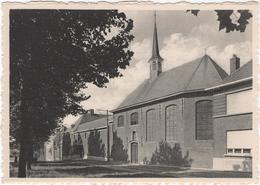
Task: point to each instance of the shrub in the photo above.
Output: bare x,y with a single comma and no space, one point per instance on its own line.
170,155
95,145
77,148
118,153
66,144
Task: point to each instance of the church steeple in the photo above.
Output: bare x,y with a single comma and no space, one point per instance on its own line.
156,60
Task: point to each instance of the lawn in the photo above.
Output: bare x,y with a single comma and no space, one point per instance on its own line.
86,168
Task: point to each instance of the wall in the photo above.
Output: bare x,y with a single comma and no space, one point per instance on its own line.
224,122
201,151
147,148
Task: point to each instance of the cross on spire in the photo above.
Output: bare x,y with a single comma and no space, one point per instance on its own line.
154,17
205,50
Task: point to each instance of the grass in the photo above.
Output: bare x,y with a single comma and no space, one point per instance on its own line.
87,168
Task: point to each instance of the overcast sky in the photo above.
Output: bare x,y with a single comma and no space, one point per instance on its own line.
182,37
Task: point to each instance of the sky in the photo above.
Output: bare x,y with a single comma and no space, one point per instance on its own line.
183,37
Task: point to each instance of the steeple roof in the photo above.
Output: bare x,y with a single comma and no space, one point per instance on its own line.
155,51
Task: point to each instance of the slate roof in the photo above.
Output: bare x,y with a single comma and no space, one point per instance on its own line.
195,75
243,72
86,118
94,124
155,51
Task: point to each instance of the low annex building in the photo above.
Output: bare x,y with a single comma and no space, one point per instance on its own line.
196,105
95,127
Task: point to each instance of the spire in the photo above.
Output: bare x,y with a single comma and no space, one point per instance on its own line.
155,52
156,60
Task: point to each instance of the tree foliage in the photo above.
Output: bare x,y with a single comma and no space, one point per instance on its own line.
170,155
96,147
66,144
77,148
225,19
53,55
118,153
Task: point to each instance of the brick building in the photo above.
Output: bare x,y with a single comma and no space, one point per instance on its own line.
91,122
193,105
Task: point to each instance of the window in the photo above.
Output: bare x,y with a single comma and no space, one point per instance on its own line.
204,120
134,135
134,118
238,150
170,123
246,151
120,121
236,102
237,145
150,125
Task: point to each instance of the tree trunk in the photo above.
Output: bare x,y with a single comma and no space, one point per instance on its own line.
25,138
22,159
30,156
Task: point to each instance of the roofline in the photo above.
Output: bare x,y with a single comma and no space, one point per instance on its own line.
183,92
87,130
156,99
230,83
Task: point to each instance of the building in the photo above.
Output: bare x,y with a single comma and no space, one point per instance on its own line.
190,105
92,127
57,144
232,116
46,151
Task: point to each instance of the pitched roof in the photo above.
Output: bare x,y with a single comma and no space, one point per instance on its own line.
93,124
243,72
85,118
198,74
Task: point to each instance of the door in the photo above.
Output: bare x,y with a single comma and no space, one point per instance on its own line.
134,153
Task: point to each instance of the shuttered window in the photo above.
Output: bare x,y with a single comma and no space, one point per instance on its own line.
150,125
120,121
170,123
134,118
204,120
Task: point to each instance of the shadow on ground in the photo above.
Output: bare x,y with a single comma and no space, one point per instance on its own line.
87,168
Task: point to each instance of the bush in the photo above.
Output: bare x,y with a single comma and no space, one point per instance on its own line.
170,155
95,145
118,153
77,148
66,144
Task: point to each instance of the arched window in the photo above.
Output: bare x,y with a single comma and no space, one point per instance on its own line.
204,120
134,118
150,125
154,65
120,121
170,123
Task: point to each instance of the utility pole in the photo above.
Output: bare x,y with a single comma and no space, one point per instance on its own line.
108,138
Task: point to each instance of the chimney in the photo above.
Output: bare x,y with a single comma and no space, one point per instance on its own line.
234,63
91,111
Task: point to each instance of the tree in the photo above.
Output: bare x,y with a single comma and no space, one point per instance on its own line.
168,155
118,153
225,19
54,54
95,144
66,144
78,147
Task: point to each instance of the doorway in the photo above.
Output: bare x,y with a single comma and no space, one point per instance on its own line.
134,152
